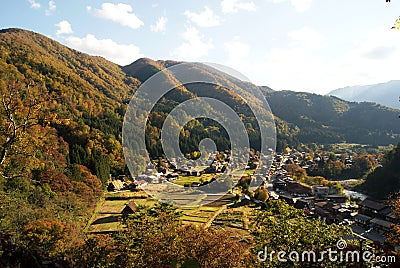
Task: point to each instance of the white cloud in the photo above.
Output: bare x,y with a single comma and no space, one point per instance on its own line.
373,60
305,37
34,4
233,6
194,46
107,48
64,27
294,67
120,13
52,7
299,5
237,50
207,18
298,66
160,25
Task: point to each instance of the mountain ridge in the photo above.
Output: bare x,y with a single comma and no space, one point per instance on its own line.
300,117
386,94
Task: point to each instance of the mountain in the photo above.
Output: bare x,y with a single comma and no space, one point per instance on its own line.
61,112
327,120
92,93
386,94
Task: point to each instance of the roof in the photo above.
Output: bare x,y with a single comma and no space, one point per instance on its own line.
322,212
382,223
117,184
372,204
362,217
321,204
387,211
141,182
131,207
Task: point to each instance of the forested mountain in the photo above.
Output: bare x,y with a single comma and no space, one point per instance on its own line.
385,181
90,96
61,112
386,94
324,119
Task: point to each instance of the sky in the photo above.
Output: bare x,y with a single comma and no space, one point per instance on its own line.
301,45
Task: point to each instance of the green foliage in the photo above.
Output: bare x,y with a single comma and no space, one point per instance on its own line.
311,118
282,227
261,194
385,180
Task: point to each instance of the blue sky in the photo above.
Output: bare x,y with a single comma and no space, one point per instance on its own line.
301,45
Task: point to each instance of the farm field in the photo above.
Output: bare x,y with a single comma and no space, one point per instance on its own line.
182,180
108,216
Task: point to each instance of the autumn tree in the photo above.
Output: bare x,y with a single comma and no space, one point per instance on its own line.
21,109
52,237
394,235
155,237
261,194
295,171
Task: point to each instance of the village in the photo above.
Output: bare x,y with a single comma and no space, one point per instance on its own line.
369,219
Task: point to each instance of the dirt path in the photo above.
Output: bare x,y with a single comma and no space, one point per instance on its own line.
208,223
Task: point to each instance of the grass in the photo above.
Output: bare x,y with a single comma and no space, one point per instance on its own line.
105,227
110,207
127,194
108,214
248,172
193,219
182,180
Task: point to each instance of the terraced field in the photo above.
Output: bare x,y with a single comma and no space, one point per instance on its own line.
108,216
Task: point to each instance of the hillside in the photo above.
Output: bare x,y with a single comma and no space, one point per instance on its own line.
87,93
92,94
60,118
386,94
324,119
385,180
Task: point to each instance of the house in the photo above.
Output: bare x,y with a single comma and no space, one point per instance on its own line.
115,185
389,215
372,208
323,214
279,185
324,190
139,184
336,198
245,199
172,176
381,226
363,220
298,188
327,211
288,199
320,190
305,204
129,209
